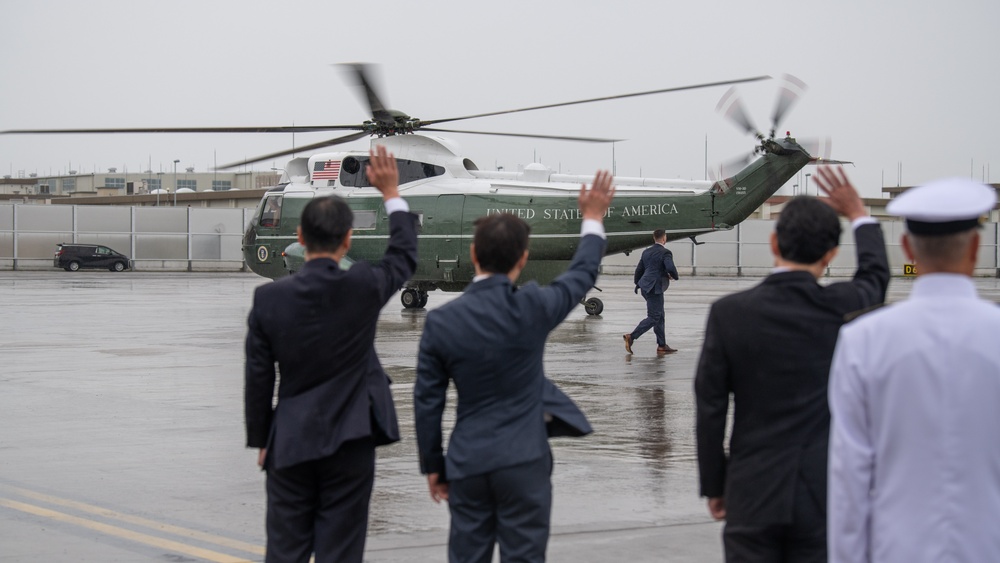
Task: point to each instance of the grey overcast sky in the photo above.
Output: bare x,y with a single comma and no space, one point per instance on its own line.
896,84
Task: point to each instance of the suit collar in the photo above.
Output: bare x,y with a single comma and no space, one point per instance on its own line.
320,264
791,276
493,281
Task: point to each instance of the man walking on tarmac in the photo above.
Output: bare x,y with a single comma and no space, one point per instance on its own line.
652,277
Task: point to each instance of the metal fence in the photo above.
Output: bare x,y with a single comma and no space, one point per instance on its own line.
199,239
746,251
156,238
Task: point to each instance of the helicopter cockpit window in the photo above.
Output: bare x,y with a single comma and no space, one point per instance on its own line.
270,215
354,171
363,219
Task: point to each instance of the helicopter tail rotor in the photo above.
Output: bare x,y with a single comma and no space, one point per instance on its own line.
731,106
789,92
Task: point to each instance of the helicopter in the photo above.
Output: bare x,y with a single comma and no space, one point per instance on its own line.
448,192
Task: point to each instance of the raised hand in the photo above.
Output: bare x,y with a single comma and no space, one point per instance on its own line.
841,194
594,202
383,173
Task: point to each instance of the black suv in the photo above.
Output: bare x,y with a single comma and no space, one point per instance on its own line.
72,257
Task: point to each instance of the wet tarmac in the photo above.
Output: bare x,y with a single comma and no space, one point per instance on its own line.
122,425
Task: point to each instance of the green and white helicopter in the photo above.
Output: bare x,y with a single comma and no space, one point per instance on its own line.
449,192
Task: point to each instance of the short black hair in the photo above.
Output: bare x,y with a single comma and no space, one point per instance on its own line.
500,240
659,234
325,222
807,229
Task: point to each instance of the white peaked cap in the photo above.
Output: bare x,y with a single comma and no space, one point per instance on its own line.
944,206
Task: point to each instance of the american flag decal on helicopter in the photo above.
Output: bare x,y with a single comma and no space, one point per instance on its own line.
326,170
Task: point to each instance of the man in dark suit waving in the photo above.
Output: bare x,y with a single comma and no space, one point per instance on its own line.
334,404
771,347
490,341
652,277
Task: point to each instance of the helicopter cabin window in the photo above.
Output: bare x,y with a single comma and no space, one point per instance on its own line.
354,171
364,219
270,215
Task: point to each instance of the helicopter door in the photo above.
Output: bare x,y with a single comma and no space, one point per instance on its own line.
442,229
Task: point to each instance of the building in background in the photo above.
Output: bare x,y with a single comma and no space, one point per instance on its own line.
115,183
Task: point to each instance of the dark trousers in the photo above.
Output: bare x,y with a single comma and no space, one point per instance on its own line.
321,506
653,320
804,540
510,506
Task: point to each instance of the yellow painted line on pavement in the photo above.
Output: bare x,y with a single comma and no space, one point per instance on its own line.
144,522
139,537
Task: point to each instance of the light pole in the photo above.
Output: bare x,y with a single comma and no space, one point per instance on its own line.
175,181
807,184
159,181
280,173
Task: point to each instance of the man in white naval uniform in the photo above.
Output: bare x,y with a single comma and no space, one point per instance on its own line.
915,400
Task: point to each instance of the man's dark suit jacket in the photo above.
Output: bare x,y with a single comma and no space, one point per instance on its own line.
654,270
319,326
490,341
771,347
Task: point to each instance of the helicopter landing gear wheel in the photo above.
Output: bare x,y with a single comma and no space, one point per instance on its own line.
593,306
423,299
410,298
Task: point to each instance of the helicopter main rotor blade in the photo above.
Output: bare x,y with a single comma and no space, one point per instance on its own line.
358,72
280,129
324,144
605,98
528,135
